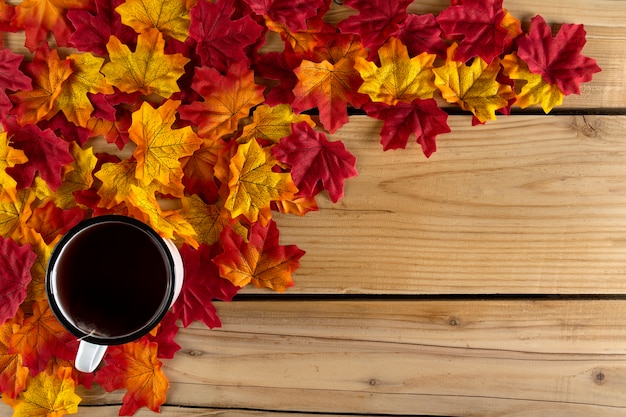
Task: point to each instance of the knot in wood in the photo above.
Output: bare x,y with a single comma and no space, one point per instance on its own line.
193,352
599,377
453,321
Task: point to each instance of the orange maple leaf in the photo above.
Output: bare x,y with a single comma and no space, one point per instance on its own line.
159,147
8,157
147,70
85,78
13,373
38,17
261,260
328,86
254,184
299,205
48,72
199,169
135,367
39,336
227,99
301,42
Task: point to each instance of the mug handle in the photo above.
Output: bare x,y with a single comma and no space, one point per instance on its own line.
89,356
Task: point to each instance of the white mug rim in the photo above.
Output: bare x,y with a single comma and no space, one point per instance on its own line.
156,317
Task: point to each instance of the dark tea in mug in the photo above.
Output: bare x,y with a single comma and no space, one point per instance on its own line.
112,280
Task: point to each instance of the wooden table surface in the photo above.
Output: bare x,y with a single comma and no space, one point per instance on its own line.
488,280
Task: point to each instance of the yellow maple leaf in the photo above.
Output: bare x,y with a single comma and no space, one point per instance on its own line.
116,181
9,157
147,70
535,89
272,123
85,78
170,17
77,177
399,78
15,213
208,220
473,87
50,395
159,147
253,184
168,223
36,290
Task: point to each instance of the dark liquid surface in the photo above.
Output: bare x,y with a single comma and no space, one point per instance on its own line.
111,279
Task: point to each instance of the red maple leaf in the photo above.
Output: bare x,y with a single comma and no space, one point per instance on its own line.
92,31
423,118
66,129
166,332
221,41
202,285
558,59
421,33
260,260
113,116
11,78
15,264
314,160
7,14
102,107
274,66
46,152
376,21
291,13
479,23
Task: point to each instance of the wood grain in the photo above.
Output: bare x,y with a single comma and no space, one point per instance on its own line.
467,358
524,205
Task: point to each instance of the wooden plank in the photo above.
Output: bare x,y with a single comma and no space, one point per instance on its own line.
451,358
174,411
522,205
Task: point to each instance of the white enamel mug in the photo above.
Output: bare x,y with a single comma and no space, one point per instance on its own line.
110,280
